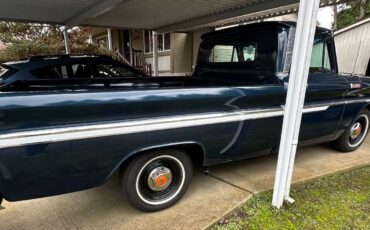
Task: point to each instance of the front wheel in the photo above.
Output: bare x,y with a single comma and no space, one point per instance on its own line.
355,134
157,180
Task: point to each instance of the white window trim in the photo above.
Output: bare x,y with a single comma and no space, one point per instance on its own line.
151,41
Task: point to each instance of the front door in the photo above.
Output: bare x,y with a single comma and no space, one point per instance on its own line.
325,88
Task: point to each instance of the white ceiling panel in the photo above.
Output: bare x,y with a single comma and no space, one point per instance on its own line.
158,13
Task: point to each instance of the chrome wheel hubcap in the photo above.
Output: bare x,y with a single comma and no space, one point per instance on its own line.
356,131
159,179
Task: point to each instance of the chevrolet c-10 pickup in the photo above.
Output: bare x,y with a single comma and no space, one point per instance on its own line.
153,131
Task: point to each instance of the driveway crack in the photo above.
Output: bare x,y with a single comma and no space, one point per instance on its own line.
236,186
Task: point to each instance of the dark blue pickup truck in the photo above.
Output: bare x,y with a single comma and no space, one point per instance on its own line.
154,130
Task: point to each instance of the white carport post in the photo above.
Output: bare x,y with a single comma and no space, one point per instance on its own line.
155,53
110,43
66,41
304,37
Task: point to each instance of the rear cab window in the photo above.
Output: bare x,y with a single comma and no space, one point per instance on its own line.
240,57
233,53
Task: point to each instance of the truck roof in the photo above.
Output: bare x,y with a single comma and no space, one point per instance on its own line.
256,26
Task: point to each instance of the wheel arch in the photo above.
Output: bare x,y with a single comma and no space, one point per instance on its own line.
195,151
363,108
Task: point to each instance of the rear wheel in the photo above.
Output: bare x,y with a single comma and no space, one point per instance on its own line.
355,134
157,180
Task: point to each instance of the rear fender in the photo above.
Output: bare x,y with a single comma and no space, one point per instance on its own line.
137,152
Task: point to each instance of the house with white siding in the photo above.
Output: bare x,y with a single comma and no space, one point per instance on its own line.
353,48
177,51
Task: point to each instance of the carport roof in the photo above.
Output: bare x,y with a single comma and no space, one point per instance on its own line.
161,15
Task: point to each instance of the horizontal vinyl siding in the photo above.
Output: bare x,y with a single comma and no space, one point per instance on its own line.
181,49
164,63
351,45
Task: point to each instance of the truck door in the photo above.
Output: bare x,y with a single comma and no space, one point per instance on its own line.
247,61
325,87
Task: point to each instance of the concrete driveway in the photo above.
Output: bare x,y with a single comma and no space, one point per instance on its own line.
208,199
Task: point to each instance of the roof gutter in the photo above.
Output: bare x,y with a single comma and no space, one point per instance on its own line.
352,26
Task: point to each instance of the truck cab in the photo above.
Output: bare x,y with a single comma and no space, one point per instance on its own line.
257,59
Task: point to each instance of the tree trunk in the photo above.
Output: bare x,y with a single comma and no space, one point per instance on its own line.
335,24
362,9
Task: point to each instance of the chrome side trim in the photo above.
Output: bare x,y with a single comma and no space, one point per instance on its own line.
354,101
129,127
85,131
316,109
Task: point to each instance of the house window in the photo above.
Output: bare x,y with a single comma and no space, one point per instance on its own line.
102,41
164,42
167,41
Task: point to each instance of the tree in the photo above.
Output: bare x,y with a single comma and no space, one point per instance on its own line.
335,11
362,9
23,40
352,12
12,32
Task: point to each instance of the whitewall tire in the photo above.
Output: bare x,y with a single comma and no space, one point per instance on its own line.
157,180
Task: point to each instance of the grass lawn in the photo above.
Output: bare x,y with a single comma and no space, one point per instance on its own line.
340,201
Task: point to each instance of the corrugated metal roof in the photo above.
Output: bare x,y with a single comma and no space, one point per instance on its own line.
158,13
164,15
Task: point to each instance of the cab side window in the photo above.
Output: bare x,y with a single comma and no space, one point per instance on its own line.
320,59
